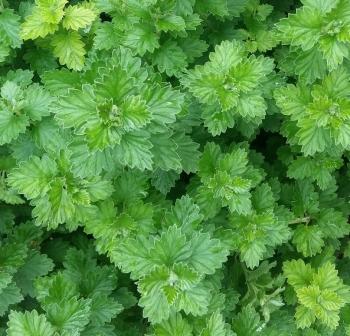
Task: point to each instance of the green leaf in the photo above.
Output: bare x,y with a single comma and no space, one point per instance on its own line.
215,327
43,20
298,273
11,125
303,28
105,37
312,138
58,205
69,316
36,265
133,255
310,65
35,27
103,310
76,108
216,7
194,301
134,150
78,16
60,81
33,177
155,306
165,152
8,296
263,198
334,51
184,214
327,278
184,7
193,48
207,254
98,188
134,113
308,240
164,103
251,106
170,22
142,38
171,247
227,55
247,322
322,6
37,102
319,169
229,85
333,224
69,49
51,10
174,326
304,316
188,152
164,180
29,323
10,27
170,58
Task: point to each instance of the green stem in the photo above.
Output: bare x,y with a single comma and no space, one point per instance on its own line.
305,220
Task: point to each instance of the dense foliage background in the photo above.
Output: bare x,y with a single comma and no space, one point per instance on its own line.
174,167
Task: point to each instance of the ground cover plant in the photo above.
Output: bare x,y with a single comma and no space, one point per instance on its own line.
174,167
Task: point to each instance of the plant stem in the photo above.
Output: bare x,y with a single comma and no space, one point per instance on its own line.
300,220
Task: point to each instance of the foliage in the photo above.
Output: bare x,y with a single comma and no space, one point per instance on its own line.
174,168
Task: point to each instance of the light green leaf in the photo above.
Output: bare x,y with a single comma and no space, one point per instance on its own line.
155,306
76,108
10,27
305,317
171,247
215,326
298,273
308,240
35,26
133,256
247,322
170,22
334,51
312,138
51,10
165,152
29,323
105,36
226,56
11,125
33,177
78,16
184,214
188,151
142,38
69,316
194,301
37,102
134,150
174,326
164,103
69,49
207,254
134,113
325,6
251,106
